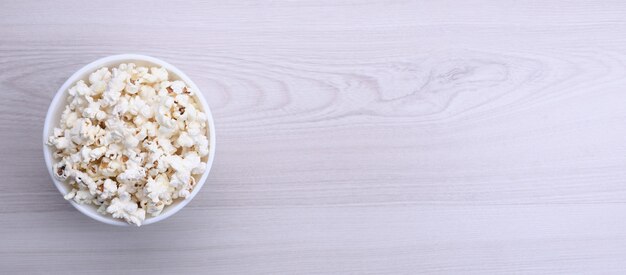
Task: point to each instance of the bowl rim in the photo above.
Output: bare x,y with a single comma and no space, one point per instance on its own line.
84,72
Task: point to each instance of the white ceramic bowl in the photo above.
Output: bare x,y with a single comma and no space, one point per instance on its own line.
58,104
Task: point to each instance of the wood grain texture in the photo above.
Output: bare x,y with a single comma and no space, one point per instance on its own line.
398,137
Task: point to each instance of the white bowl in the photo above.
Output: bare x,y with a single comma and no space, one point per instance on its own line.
58,104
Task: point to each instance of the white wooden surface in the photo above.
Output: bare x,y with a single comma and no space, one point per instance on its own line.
353,136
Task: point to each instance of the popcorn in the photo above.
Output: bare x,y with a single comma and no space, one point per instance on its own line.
114,88
83,180
97,152
131,87
61,170
83,197
184,140
70,195
130,142
59,142
166,145
159,73
83,132
102,75
126,209
159,188
109,189
68,118
178,86
93,111
155,208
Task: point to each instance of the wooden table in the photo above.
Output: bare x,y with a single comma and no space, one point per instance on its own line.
352,136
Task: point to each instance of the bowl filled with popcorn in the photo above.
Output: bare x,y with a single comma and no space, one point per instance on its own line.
129,139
